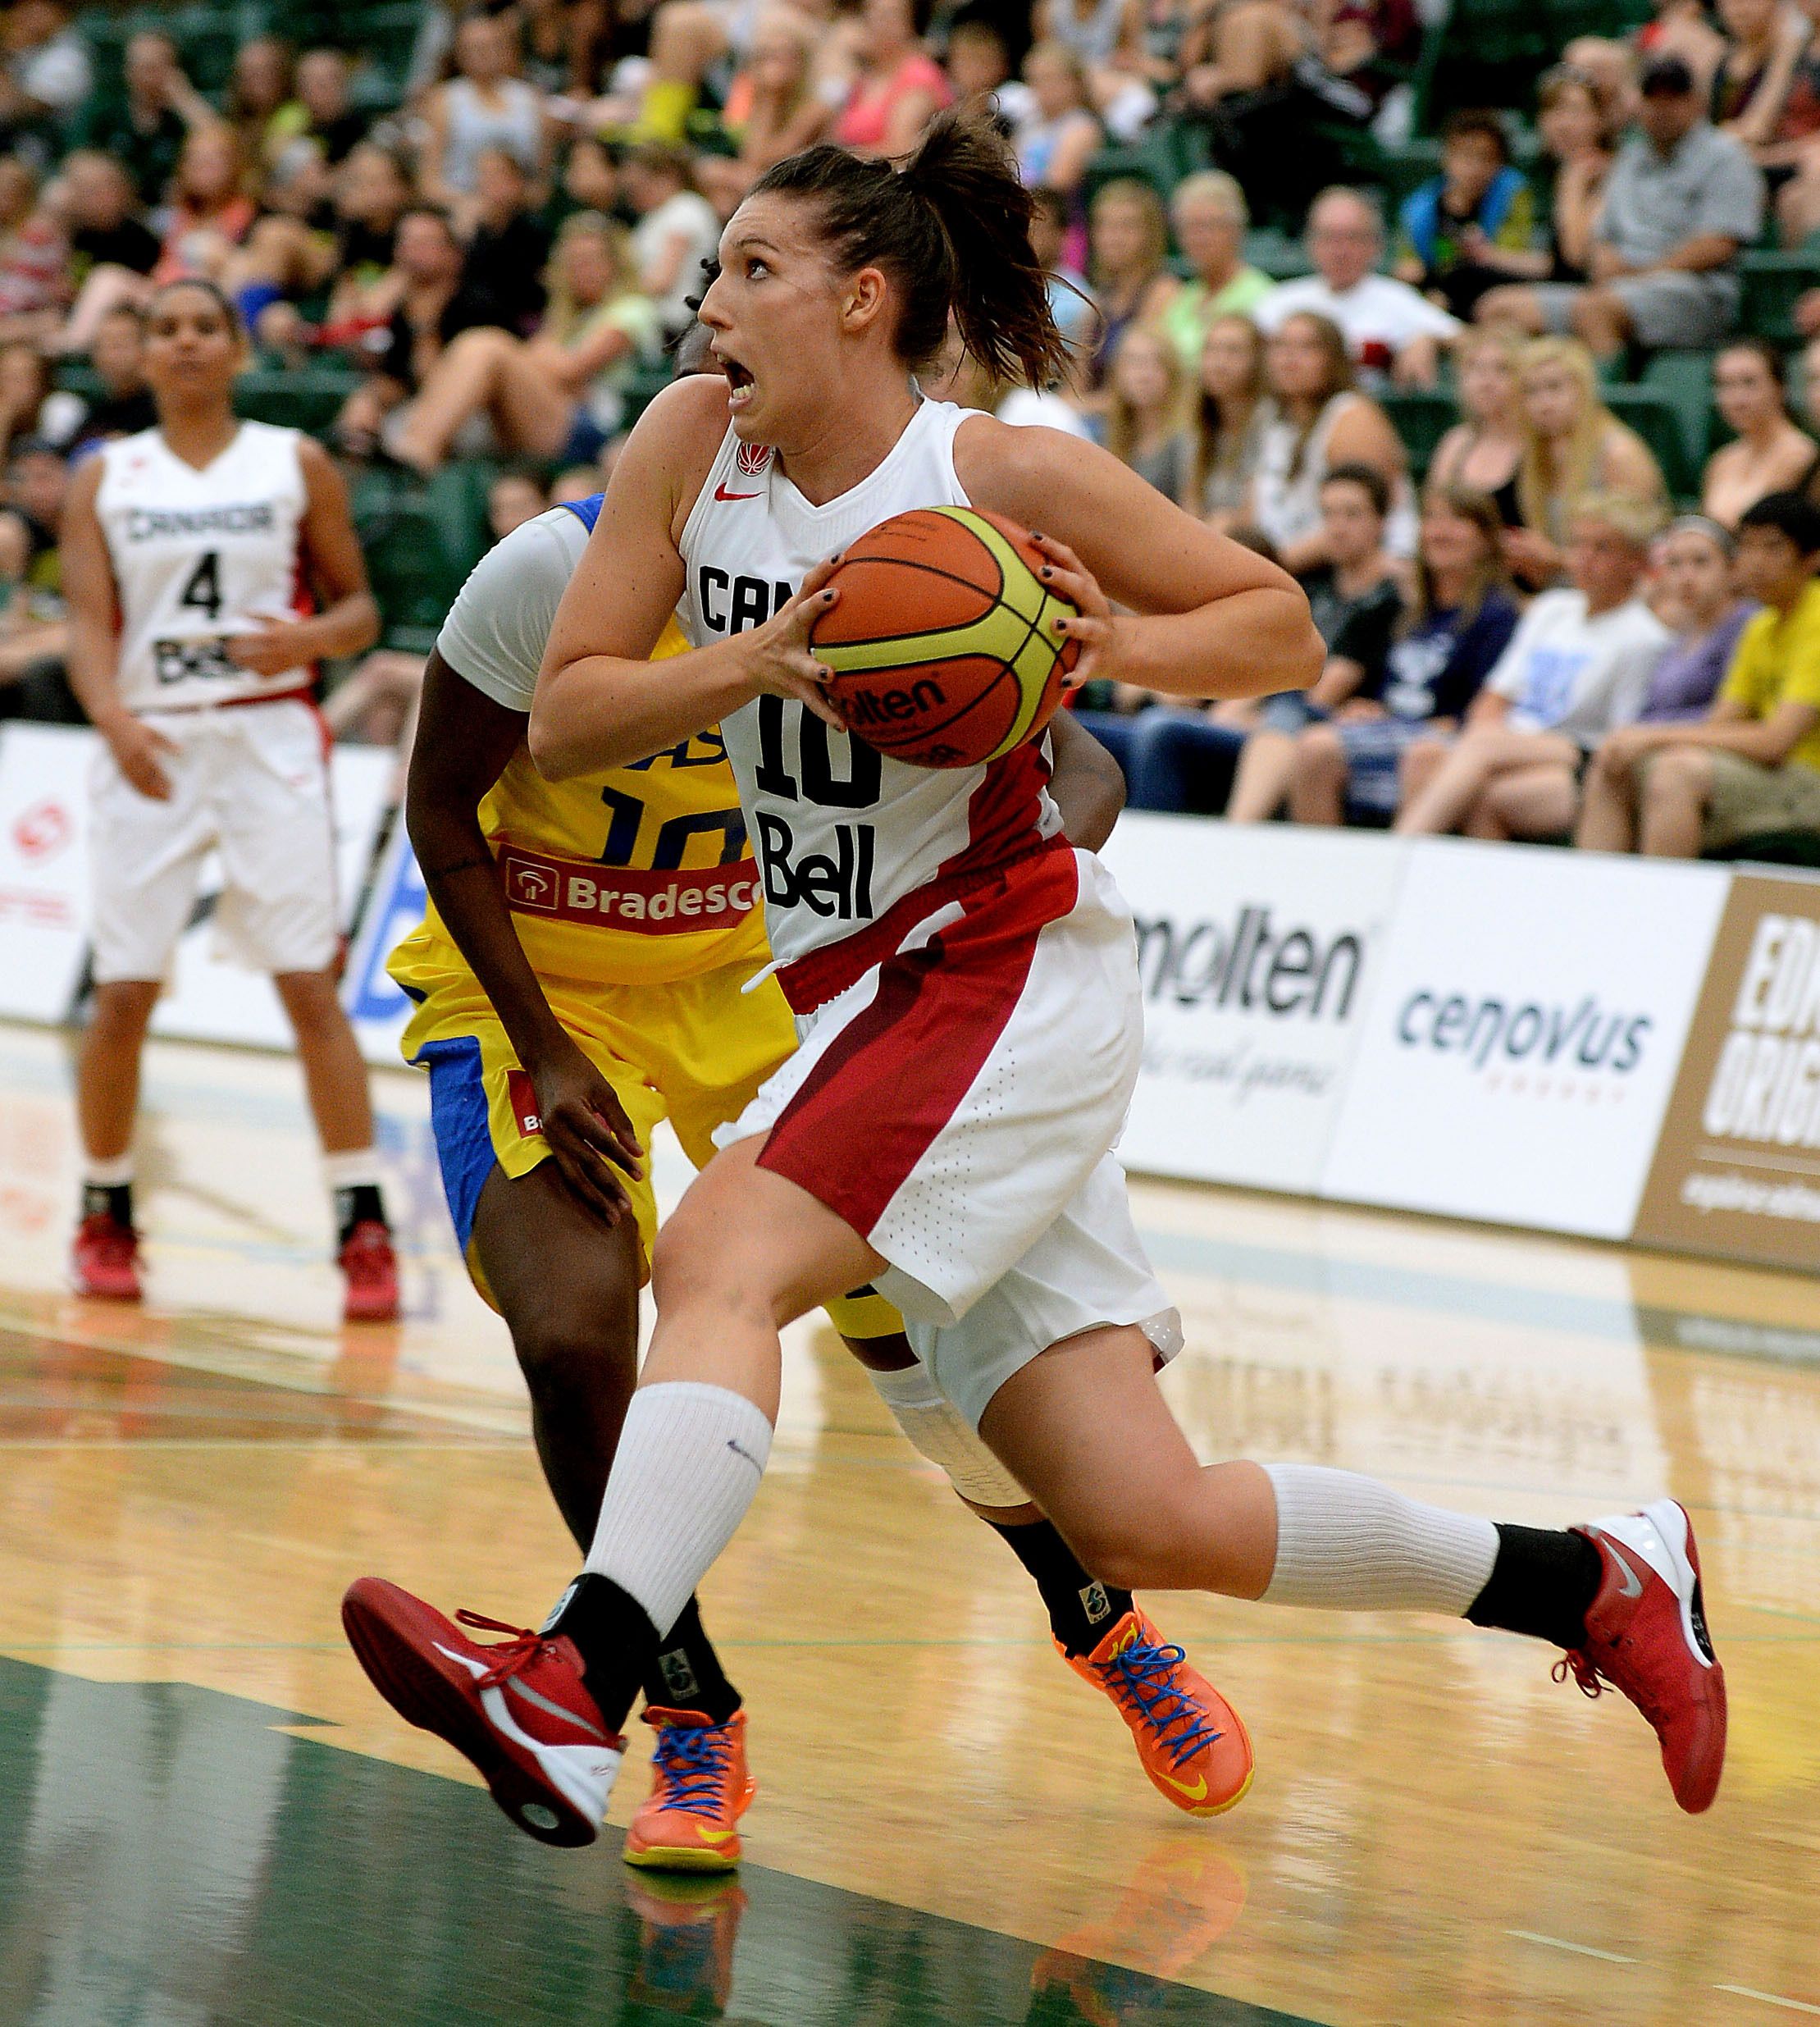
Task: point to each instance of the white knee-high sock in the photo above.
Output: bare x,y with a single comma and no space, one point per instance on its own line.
1351,1544
689,1463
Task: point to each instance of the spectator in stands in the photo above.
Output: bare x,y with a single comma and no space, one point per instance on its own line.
45,79
124,406
1445,645
772,109
1107,37
1208,212
1228,424
676,233
1244,46
36,485
558,396
517,496
977,61
161,109
34,632
1572,443
1482,451
1070,299
1317,419
485,105
24,391
1478,204
1129,244
1792,160
1752,764
900,87
1683,29
1681,200
262,105
1578,665
324,87
508,245
1576,123
1771,455
1751,82
1371,43
373,193
287,253
1144,408
210,213
1614,68
1393,332
1355,603
111,249
1060,133
33,255
564,40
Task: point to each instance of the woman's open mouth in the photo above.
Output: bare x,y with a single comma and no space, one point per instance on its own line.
740,384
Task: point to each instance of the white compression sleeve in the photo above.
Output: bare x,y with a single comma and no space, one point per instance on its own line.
1350,1544
933,1424
689,1463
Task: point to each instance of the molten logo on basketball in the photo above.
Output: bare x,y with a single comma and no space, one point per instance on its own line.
864,708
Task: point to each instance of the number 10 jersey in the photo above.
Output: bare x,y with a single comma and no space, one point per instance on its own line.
199,556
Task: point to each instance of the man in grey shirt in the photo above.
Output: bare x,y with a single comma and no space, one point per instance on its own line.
1682,199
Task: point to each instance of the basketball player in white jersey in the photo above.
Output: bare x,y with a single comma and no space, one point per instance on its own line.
191,555
966,991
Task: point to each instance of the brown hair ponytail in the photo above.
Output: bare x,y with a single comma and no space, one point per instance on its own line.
950,227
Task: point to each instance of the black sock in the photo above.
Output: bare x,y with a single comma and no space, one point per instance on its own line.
1081,1611
686,1674
616,1640
1541,1584
359,1204
108,1199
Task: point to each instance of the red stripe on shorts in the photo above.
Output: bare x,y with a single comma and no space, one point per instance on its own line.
897,1072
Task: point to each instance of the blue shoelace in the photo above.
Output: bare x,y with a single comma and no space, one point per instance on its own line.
691,1759
1146,1674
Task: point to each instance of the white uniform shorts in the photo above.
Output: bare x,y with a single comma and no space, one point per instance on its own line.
957,1104
252,782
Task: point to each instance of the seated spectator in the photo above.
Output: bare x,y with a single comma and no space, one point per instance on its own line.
262,105
1482,451
145,135
324,84
373,193
44,81
37,486
34,635
1355,603
1478,204
111,249
1070,299
1681,200
1235,50
32,256
25,394
1144,410
564,42
1576,123
1106,37
1752,764
508,245
1578,665
677,231
289,252
1208,212
1394,332
1446,643
772,108
1317,418
1771,455
1614,68
1752,81
1572,443
1227,427
1059,134
515,497
485,105
977,61
1790,160
210,213
1370,43
900,87
1683,29
124,406
1129,242
558,396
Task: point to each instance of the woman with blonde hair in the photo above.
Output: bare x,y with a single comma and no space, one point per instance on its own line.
1128,238
1482,451
1145,399
1572,444
1226,422
771,109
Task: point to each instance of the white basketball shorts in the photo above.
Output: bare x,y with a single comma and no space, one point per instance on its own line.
252,782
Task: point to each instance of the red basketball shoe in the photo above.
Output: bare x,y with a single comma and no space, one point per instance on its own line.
1190,1740
371,1265
699,1789
1646,1636
520,1711
104,1259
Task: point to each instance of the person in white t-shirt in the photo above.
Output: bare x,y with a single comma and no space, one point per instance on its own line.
1578,665
1395,332
676,233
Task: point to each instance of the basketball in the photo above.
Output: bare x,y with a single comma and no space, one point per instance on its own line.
943,642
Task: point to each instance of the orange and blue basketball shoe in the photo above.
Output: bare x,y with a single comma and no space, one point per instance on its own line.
699,1789
1646,1636
687,1929
1190,1740
518,1710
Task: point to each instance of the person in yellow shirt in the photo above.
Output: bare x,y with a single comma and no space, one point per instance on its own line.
1752,765
592,961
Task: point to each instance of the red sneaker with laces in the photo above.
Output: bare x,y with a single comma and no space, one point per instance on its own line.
1646,1636
519,1710
699,1789
371,1265
104,1259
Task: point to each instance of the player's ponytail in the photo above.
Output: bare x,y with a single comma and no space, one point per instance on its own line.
950,227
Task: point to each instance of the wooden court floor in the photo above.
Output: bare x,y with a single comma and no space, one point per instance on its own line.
209,1817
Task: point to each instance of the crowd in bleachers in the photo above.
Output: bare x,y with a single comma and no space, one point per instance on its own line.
1451,313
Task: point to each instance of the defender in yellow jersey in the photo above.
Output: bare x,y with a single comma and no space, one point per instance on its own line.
593,961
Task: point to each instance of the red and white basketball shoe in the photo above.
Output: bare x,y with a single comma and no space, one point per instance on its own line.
104,1259
1646,1636
371,1267
519,1710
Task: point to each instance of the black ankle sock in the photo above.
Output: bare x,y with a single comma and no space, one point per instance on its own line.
1081,1611
359,1204
108,1199
686,1675
616,1641
1541,1584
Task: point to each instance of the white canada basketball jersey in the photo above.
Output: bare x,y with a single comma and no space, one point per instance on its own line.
199,557
841,832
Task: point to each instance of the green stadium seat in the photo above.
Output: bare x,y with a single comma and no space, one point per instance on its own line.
1656,419
1421,420
1686,379
308,401
1771,284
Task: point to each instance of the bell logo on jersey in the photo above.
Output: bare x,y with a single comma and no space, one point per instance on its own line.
839,889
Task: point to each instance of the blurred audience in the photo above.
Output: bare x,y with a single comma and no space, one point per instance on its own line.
1770,454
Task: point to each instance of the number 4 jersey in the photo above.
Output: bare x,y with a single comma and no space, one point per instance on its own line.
199,556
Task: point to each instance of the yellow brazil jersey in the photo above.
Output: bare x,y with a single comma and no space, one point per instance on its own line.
637,875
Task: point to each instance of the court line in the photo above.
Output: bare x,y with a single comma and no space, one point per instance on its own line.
1769,1998
1579,1949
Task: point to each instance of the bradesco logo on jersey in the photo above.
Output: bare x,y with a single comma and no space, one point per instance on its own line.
1256,947
1737,1169
1517,1056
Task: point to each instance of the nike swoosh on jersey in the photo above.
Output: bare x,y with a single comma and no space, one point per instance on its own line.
721,493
